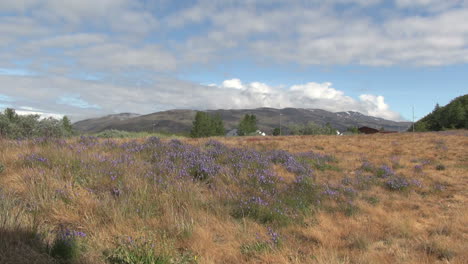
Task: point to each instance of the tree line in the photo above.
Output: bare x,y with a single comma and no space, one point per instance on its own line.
207,125
452,116
16,126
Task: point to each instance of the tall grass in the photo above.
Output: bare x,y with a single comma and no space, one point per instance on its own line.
237,200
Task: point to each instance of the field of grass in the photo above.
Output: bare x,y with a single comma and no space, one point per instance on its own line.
384,198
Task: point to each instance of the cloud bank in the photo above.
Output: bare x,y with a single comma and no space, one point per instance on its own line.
91,98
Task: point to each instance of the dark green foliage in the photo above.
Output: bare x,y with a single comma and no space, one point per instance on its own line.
66,250
354,130
66,124
2,167
17,126
206,125
247,125
276,131
113,133
66,245
312,129
452,116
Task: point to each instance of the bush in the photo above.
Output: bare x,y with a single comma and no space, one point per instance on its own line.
113,133
66,245
276,131
136,251
2,167
440,167
17,126
397,183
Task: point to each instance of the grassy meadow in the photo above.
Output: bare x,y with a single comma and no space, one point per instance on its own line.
383,198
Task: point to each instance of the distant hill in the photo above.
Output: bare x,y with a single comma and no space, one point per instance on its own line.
180,121
452,116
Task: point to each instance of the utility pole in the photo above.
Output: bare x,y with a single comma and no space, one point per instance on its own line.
413,118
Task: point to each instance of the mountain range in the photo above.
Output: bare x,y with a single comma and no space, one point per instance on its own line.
180,121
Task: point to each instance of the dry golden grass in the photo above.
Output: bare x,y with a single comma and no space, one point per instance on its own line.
428,224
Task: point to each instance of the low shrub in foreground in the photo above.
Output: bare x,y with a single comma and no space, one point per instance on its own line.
67,245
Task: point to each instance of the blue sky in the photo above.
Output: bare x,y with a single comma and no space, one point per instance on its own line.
89,58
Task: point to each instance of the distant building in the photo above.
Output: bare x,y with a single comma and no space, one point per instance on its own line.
387,132
368,130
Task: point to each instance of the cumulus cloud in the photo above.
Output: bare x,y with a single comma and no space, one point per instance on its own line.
308,95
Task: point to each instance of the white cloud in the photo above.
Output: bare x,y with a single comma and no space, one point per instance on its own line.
97,98
319,33
233,83
309,95
27,110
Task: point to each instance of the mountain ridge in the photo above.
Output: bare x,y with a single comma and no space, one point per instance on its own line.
179,121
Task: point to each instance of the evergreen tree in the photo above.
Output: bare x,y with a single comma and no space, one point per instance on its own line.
451,116
247,125
457,115
206,125
218,125
66,124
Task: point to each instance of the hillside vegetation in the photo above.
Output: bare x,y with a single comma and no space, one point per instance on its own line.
16,126
395,198
452,116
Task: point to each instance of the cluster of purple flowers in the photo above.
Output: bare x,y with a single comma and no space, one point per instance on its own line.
88,141
397,183
68,235
35,158
331,192
384,171
274,236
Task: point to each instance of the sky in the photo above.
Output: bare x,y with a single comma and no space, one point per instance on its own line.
89,58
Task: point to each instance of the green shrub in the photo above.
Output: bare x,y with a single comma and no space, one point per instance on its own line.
2,168
136,252
113,133
67,245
